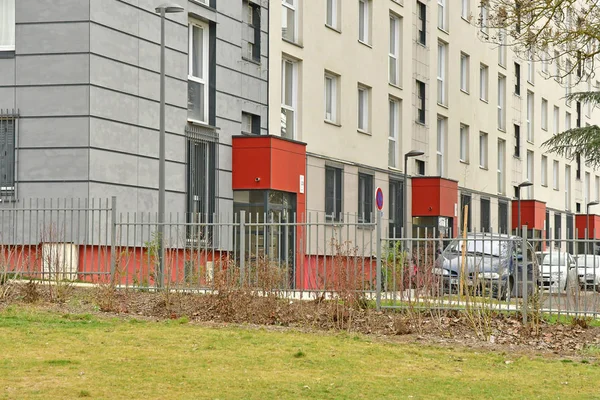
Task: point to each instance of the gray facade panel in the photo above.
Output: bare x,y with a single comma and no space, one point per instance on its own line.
108,166
113,74
174,145
7,71
49,101
230,30
51,190
229,107
113,44
148,174
113,135
230,81
54,132
68,37
115,14
175,90
176,63
7,97
53,69
52,10
53,165
176,34
113,105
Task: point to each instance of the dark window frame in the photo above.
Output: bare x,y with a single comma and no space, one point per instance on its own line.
421,97
255,30
517,79
333,201
366,193
8,150
485,220
503,217
421,23
517,136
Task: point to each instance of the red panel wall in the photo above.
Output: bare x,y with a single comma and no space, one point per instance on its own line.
594,226
533,214
434,196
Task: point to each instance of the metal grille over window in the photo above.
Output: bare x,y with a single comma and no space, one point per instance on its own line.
201,185
8,128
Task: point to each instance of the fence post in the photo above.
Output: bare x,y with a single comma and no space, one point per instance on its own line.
524,263
242,246
113,238
378,261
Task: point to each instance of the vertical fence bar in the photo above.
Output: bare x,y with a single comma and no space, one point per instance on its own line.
113,237
524,263
378,260
242,245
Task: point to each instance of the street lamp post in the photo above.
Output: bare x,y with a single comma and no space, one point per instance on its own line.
412,153
587,224
520,186
162,10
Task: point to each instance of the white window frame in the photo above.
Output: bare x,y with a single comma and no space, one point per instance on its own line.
502,102
290,107
586,188
530,69
205,55
530,116
555,175
556,120
394,53
464,72
333,114
464,11
366,112
393,134
483,150
421,22
366,21
567,187
544,114
544,175
597,182
502,48
567,120
501,165
441,72
545,66
334,23
442,15
484,14
442,127
464,143
10,24
484,73
291,5
530,172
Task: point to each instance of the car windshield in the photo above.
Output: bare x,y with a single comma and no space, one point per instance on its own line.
587,261
554,259
487,246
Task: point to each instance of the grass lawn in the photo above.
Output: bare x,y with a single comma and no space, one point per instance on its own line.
52,356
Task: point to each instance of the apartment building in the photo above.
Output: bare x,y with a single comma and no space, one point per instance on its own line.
364,82
79,100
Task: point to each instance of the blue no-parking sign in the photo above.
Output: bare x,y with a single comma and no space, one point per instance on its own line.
379,198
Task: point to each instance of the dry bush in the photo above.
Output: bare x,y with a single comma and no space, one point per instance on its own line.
30,292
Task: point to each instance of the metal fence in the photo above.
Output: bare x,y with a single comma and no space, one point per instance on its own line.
88,241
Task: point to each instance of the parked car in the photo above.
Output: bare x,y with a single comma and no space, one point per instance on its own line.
493,262
554,269
588,271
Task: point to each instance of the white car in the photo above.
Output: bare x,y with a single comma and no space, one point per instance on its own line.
588,271
554,269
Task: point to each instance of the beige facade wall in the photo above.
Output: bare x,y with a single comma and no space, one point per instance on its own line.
320,49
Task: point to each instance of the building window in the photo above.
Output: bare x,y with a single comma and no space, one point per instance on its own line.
501,163
501,102
484,16
464,143
517,152
465,202
545,66
201,156
333,193
289,19
422,23
567,121
597,181
250,123
483,82
420,102
567,187
556,122
464,10
365,198
544,171
252,35
484,215
420,167
586,188
557,64
7,154
364,101
442,124
530,116
483,149
364,21
502,48
578,114
530,68
442,15
545,114
333,14
331,98
396,208
530,173
517,79
578,166
394,56
198,72
503,217
7,25
557,229
441,72
288,98
555,177
464,72
393,134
